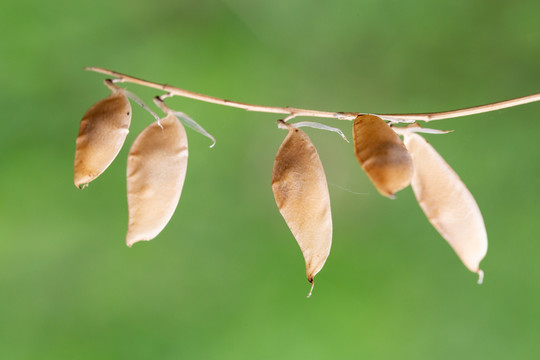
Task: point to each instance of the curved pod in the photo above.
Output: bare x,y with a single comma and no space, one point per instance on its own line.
382,154
447,203
156,171
301,193
102,133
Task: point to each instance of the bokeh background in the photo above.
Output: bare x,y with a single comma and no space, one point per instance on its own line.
226,279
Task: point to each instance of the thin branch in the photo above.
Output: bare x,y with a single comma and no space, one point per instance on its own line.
224,102
316,113
468,111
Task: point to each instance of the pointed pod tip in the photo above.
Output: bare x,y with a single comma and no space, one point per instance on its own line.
132,239
480,277
312,285
386,193
81,186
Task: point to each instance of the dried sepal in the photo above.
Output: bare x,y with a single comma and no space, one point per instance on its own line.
316,125
192,124
102,133
447,203
382,154
156,170
416,128
301,193
183,117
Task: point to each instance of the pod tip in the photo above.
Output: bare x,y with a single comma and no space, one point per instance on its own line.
131,240
81,186
312,285
480,277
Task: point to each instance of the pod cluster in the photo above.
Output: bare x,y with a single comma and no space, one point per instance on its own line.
157,164
301,192
449,206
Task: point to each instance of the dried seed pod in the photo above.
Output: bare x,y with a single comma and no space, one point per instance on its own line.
301,193
382,154
447,203
156,170
102,133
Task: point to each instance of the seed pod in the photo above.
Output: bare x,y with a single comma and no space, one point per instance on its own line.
156,170
382,154
102,133
447,203
301,193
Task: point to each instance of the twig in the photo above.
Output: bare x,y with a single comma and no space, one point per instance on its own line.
316,113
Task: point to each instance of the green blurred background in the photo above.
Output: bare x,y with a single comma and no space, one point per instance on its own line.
226,279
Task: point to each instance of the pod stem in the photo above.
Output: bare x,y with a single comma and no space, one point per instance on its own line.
317,113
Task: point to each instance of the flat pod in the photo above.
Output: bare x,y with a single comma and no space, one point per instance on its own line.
382,154
301,193
156,171
447,202
102,133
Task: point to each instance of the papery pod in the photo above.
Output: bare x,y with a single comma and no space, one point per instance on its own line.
382,154
301,193
156,170
102,133
447,203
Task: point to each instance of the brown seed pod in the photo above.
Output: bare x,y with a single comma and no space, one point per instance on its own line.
447,203
102,133
301,193
382,154
156,170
